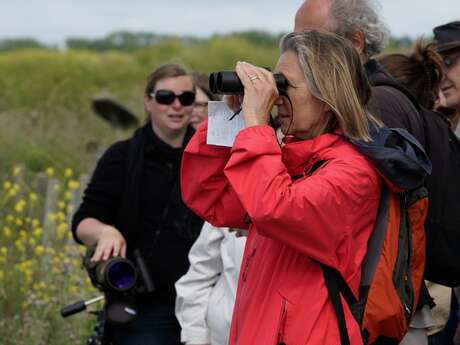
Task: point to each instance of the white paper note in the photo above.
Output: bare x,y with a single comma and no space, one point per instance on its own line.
221,130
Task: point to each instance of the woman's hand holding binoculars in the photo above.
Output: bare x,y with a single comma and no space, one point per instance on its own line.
260,94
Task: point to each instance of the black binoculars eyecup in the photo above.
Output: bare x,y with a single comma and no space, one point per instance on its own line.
228,83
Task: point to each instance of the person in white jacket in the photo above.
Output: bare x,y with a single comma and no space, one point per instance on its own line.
206,293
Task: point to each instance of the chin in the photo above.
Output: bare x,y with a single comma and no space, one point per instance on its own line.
453,101
175,127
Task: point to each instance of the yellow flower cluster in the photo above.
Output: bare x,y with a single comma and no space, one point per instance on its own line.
38,258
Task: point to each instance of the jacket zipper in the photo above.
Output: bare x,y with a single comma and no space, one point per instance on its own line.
281,323
248,261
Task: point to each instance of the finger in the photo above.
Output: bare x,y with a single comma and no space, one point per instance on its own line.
97,253
266,75
116,249
250,72
242,74
123,250
106,253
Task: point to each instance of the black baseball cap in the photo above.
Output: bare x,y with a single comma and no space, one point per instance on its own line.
447,36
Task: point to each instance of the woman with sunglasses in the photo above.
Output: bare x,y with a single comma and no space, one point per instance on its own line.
133,202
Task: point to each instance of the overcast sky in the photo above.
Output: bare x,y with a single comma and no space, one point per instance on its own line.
52,21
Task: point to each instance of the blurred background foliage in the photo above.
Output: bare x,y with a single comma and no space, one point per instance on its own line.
46,91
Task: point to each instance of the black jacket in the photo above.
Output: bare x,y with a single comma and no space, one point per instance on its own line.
392,106
135,187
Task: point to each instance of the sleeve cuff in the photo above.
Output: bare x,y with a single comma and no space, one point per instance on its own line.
189,336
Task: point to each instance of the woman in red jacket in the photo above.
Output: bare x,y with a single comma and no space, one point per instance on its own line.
312,199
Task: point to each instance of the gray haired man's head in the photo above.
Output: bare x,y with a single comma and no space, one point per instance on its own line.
357,20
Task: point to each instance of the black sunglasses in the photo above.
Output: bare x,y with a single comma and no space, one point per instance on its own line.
167,97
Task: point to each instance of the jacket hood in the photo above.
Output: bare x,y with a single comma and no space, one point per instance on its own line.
398,156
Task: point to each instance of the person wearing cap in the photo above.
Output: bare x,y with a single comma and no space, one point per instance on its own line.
447,39
448,45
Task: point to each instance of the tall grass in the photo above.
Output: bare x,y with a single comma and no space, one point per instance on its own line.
45,95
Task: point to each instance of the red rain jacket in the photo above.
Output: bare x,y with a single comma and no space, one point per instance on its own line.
322,217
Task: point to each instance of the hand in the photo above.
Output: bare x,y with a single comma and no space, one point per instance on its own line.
110,243
260,93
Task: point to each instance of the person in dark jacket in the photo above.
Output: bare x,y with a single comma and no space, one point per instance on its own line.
360,22
133,203
422,73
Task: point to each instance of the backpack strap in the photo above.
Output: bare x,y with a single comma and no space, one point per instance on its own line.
336,286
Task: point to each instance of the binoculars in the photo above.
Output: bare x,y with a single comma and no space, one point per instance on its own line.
228,83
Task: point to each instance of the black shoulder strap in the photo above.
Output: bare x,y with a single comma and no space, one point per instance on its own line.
337,286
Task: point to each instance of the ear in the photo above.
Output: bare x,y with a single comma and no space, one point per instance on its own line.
146,101
327,108
358,41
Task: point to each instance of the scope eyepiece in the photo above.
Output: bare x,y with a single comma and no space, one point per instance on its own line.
228,82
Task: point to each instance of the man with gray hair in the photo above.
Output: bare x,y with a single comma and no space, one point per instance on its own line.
360,22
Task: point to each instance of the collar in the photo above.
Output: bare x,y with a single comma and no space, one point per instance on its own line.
299,155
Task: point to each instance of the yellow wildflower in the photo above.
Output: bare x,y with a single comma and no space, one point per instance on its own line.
61,204
33,197
60,216
12,192
61,230
68,172
35,222
7,185
20,205
16,170
32,242
23,234
50,251
9,218
18,222
4,251
57,187
73,184
38,232
67,195
69,209
76,263
7,231
39,250
50,171
19,246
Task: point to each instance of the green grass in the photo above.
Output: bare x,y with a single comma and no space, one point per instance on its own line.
45,111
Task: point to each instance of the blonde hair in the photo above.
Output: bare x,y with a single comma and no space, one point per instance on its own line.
334,75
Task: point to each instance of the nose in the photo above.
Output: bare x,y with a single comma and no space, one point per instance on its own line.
176,104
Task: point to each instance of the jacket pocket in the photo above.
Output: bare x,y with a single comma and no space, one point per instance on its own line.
247,264
281,323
